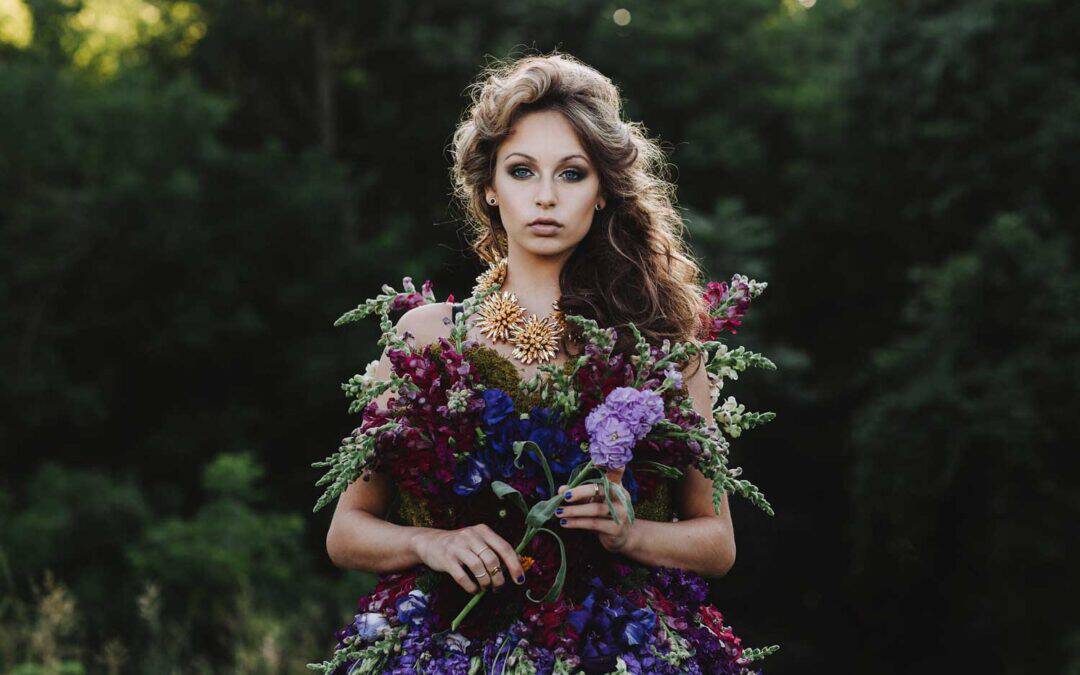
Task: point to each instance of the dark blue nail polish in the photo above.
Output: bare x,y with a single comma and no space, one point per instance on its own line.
521,579
562,521
567,495
558,512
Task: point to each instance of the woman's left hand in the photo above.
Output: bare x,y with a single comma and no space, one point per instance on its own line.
582,513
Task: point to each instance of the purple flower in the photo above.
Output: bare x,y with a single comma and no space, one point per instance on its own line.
412,608
674,374
639,408
616,425
611,438
410,297
369,625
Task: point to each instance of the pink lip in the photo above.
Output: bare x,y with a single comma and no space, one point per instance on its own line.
544,227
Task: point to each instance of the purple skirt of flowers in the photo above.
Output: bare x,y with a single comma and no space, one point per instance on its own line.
641,620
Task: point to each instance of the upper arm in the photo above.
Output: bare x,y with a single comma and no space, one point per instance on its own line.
694,489
425,324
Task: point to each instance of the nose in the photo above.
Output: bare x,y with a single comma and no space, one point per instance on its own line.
545,194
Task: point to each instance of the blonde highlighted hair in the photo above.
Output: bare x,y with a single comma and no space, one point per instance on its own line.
633,265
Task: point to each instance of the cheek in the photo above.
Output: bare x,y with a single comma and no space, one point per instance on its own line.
581,228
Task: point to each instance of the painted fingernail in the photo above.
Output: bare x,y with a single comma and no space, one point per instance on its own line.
521,579
558,512
562,521
567,495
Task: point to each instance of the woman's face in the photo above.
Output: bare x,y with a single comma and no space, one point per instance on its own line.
541,171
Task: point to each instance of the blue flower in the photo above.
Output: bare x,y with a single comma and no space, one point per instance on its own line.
499,454
609,624
497,405
472,476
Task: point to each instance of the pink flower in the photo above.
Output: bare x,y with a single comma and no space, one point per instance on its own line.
726,306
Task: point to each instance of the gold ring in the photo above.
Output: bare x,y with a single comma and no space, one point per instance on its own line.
495,570
480,575
596,491
486,548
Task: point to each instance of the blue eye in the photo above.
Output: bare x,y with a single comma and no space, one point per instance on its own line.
575,176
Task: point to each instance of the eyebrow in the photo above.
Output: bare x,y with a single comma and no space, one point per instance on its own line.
534,159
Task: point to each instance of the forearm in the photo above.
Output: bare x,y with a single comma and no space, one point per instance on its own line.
701,545
361,541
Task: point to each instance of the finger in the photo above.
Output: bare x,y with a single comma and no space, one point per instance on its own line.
579,510
491,561
475,565
511,561
457,572
603,525
615,475
578,495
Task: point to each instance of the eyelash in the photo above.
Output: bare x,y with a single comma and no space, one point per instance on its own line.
581,174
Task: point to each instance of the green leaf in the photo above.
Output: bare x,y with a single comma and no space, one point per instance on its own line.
542,512
502,490
519,447
625,502
560,576
669,471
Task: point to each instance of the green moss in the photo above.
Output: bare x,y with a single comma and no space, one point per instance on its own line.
413,512
658,507
499,372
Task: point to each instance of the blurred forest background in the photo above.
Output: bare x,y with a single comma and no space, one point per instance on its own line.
192,192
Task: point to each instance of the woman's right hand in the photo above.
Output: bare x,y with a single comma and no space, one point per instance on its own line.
475,548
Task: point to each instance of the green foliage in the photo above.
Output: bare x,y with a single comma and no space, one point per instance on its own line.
961,479
234,475
206,565
229,585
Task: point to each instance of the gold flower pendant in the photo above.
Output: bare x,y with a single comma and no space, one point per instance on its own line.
503,319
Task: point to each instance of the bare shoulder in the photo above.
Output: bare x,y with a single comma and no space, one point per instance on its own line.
425,322
696,380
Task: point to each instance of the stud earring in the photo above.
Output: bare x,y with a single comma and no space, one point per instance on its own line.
597,207
492,201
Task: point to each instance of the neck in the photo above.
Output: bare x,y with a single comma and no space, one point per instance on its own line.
534,279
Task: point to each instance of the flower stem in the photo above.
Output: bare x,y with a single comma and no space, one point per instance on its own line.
530,532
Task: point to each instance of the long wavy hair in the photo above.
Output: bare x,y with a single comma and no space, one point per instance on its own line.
633,265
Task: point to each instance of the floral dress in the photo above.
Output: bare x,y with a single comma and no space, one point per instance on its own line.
613,615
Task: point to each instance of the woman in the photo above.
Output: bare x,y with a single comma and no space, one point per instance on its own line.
570,206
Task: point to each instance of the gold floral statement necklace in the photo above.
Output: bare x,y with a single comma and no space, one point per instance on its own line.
503,319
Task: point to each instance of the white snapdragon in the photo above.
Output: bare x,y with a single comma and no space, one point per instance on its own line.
369,371
729,415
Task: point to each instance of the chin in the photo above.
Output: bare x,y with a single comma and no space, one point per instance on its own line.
546,246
